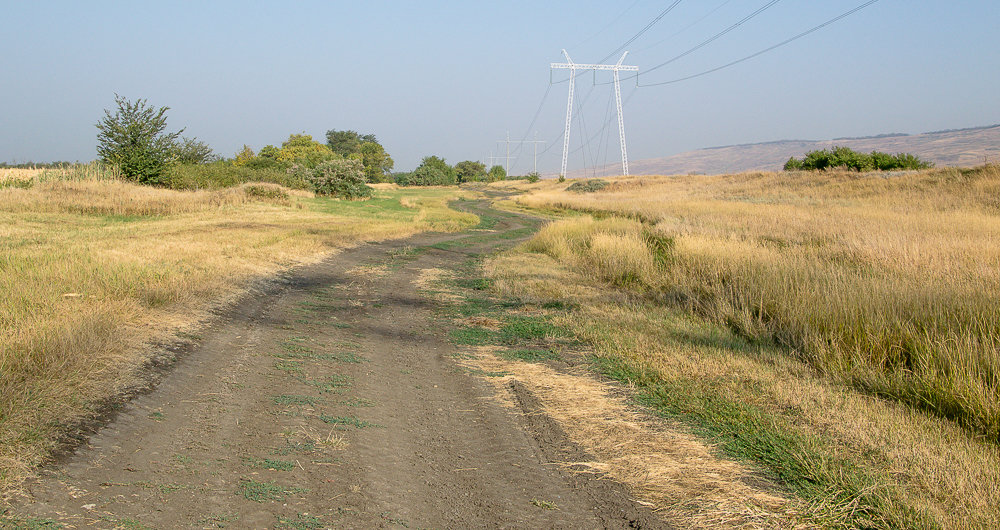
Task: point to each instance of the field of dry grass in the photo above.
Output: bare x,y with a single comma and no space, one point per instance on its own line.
94,271
888,282
776,313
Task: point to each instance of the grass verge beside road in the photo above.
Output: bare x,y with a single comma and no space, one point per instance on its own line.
94,271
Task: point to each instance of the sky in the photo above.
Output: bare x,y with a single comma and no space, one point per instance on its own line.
451,78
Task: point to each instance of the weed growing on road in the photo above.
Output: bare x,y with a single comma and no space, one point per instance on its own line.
287,399
267,463
299,522
347,421
252,490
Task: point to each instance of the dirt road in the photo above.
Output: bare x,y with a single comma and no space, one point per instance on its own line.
332,399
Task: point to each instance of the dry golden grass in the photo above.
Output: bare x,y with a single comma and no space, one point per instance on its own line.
675,472
920,463
93,272
889,282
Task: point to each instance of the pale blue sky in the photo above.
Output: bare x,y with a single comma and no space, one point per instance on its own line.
450,78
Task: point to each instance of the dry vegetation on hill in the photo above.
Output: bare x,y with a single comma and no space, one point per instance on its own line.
821,295
94,270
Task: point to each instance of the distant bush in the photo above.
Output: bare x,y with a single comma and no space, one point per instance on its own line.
534,176
341,178
432,171
496,173
587,186
134,138
846,158
225,174
267,192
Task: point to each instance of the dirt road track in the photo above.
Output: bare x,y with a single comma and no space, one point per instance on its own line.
331,399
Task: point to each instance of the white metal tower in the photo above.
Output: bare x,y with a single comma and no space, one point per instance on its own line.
573,67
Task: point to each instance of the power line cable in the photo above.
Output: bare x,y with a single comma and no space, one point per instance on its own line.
643,30
685,28
765,50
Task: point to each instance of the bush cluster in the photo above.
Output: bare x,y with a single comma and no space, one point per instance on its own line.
587,186
344,178
847,158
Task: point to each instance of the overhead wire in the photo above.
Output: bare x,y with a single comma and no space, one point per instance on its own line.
685,28
643,30
770,48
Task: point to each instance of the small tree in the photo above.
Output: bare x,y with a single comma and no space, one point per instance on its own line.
193,151
133,139
497,173
376,161
469,171
344,178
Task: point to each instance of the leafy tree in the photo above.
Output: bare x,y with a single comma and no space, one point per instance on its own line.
497,173
376,161
432,171
134,139
269,151
346,143
244,156
193,151
344,178
303,150
469,171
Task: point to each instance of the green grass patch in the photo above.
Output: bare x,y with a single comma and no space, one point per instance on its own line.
472,336
292,367
842,493
288,399
330,383
267,463
252,490
350,421
27,523
530,355
299,522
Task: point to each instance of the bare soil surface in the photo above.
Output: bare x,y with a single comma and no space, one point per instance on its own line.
332,398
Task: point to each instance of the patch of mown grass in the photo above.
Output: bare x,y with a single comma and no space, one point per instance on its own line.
350,421
300,522
842,493
472,336
252,490
520,328
287,399
530,355
267,463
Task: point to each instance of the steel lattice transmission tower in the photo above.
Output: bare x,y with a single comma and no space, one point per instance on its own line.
573,67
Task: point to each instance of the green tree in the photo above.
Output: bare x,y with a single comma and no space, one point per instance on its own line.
497,173
346,143
134,139
344,178
432,171
193,151
303,150
469,171
376,161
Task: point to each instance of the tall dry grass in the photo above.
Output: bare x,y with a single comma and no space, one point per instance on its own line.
890,282
93,271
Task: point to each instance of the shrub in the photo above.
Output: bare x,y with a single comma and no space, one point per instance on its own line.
226,174
133,139
193,151
344,178
497,173
533,177
844,157
587,186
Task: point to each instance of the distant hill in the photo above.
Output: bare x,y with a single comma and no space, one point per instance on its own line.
957,147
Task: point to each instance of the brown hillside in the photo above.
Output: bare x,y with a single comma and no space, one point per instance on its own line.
965,147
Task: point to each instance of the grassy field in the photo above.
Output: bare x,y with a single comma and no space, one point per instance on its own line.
838,330
94,271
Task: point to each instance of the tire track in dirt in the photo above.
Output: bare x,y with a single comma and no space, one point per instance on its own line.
333,400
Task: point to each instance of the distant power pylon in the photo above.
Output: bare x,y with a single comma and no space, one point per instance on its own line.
573,67
535,142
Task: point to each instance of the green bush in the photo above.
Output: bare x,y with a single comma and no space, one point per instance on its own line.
133,139
846,158
534,176
432,171
587,186
224,174
496,173
344,178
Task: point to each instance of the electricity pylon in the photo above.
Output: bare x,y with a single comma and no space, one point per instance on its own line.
573,67
535,142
